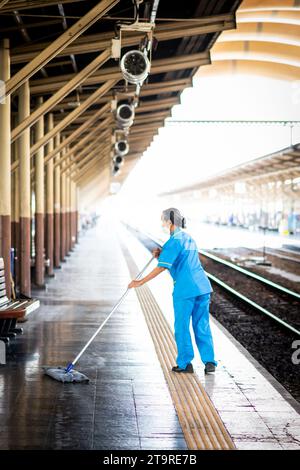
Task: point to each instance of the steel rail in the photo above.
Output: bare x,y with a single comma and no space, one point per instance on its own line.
259,278
225,286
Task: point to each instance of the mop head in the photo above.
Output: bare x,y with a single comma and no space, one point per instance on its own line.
60,374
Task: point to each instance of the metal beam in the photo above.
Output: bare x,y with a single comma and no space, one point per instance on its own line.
50,84
19,27
145,127
148,118
163,32
147,90
63,205
29,4
61,93
5,161
77,159
75,148
95,185
144,107
57,203
3,2
65,122
73,115
58,45
141,111
49,216
25,202
39,204
90,163
88,166
94,150
79,131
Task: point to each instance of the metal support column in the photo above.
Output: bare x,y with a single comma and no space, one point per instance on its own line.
49,203
73,212
63,211
77,212
39,205
5,161
70,211
67,212
57,207
25,193
16,216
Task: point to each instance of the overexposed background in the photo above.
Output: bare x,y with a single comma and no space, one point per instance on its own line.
183,154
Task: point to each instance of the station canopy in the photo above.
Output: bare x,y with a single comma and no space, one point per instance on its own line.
81,90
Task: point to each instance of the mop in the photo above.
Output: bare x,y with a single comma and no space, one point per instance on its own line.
68,373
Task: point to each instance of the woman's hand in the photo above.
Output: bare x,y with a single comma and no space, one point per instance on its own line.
147,278
156,252
135,283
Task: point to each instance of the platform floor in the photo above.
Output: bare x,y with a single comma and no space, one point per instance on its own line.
256,410
127,404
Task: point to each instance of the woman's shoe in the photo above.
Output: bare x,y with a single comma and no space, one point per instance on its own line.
209,367
189,369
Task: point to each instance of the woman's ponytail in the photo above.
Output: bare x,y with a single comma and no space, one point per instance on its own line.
174,216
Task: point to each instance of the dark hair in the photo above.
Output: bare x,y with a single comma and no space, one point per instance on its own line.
174,216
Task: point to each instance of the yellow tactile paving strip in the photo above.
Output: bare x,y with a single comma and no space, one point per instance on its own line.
202,426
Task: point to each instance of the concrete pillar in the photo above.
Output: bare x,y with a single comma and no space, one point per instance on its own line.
25,202
73,213
77,211
5,162
67,210
13,202
15,212
39,205
49,235
63,211
70,213
57,204
16,217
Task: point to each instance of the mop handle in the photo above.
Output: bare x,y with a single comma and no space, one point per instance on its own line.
70,366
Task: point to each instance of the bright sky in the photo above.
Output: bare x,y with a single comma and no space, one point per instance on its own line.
186,153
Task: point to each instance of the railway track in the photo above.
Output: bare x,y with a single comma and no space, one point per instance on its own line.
258,293
280,304
279,253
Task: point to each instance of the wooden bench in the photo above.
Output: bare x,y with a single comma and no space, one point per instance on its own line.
12,310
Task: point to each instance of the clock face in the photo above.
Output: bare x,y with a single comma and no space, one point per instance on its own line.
125,112
122,146
135,64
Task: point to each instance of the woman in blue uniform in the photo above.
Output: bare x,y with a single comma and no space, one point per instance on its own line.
191,294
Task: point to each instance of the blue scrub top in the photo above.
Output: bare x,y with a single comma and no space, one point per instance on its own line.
180,256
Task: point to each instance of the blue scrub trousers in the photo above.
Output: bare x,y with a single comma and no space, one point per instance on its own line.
197,308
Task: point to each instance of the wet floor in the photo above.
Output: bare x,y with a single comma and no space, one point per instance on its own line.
127,404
